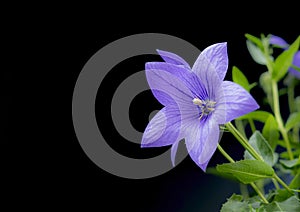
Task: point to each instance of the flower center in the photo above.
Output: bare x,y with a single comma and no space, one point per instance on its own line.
205,106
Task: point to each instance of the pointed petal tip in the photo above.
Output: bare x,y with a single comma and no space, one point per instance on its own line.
202,143
238,101
213,58
149,65
143,146
149,145
221,44
172,58
256,106
203,166
174,151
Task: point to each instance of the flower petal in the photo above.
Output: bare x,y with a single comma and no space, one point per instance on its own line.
173,58
190,79
163,129
174,151
215,57
296,62
275,40
219,114
237,100
201,140
167,88
208,76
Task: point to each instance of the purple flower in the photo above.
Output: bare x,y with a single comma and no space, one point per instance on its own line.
278,41
196,102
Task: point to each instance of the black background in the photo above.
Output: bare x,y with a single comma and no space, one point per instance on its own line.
56,174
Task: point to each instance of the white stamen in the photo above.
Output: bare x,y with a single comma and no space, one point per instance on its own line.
206,106
197,101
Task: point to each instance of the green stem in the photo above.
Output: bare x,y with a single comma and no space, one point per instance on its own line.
296,133
259,193
291,95
282,183
252,125
244,191
225,154
252,184
240,126
279,119
243,141
276,107
251,150
275,184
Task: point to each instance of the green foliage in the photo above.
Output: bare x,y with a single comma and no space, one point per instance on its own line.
297,103
214,171
294,119
239,78
291,204
270,132
265,82
295,183
279,200
290,163
295,67
247,171
256,53
259,143
235,204
254,40
284,61
257,115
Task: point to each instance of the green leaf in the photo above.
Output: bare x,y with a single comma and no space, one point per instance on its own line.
282,169
270,131
239,78
254,202
256,53
257,115
290,81
282,91
265,80
278,195
285,153
295,67
284,61
247,171
235,204
255,40
259,143
297,103
282,195
292,204
290,163
236,197
295,183
293,120
252,85
213,171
